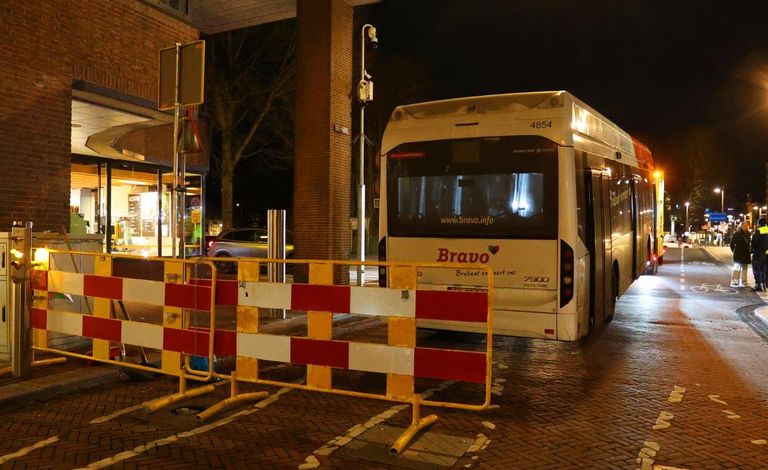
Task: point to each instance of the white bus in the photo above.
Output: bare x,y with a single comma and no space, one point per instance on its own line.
556,199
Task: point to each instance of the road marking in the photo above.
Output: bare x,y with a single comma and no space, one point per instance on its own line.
27,450
489,425
676,395
731,414
646,455
122,456
663,421
716,399
340,441
480,443
759,442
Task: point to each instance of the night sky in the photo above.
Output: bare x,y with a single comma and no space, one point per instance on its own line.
658,69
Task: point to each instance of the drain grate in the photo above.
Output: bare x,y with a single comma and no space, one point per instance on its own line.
187,410
428,451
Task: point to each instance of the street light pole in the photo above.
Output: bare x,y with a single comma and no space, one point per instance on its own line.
721,191
365,95
687,204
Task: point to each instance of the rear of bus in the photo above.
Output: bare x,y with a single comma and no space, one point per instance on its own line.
462,186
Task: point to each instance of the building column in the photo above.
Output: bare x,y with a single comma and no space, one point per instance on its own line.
322,186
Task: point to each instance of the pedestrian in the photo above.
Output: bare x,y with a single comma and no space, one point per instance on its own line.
759,245
740,246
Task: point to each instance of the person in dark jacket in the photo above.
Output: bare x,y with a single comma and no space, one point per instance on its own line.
759,246
740,246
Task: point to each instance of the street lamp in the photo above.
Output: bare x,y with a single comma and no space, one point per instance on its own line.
365,96
687,204
721,192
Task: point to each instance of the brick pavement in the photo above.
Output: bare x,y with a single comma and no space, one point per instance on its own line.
601,403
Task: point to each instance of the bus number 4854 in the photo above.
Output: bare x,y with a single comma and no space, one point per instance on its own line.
541,124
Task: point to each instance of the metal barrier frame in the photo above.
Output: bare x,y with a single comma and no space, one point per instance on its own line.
100,353
417,422
400,388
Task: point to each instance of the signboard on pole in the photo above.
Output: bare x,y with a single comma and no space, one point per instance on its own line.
715,217
191,75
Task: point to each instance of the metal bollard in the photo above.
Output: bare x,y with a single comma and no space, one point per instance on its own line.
276,244
276,250
21,332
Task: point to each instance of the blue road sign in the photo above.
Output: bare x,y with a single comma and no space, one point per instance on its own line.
717,217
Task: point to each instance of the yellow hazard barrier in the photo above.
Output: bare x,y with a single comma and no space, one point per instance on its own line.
403,303
71,280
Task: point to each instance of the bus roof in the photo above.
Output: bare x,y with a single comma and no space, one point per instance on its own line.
577,123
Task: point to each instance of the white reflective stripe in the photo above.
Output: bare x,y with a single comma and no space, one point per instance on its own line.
385,302
65,322
142,334
263,346
381,358
264,294
65,283
149,292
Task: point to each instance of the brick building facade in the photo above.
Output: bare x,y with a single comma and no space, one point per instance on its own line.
44,47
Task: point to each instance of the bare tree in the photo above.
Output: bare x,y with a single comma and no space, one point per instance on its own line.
249,82
698,152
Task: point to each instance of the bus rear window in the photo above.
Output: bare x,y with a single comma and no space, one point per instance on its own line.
475,188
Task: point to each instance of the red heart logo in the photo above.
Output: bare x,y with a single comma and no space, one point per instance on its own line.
493,249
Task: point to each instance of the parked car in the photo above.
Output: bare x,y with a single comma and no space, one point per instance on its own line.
243,243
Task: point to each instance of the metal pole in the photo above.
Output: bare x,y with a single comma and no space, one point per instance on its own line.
361,174
276,250
203,221
21,333
276,244
183,204
108,189
722,199
174,194
686,218
159,221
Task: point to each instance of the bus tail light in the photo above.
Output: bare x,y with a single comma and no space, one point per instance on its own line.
566,273
383,257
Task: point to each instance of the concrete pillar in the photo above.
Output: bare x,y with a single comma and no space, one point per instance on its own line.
323,156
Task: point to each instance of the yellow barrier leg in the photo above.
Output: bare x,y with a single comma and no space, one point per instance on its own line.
183,394
320,326
234,399
401,331
247,321
171,361
102,308
417,424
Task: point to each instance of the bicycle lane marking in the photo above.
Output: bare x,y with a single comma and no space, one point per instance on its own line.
122,456
358,429
28,449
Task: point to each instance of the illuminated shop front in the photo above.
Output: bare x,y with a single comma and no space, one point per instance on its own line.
130,202
121,175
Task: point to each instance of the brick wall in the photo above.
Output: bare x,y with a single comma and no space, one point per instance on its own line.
44,45
322,166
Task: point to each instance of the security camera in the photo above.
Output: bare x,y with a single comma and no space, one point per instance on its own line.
372,37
